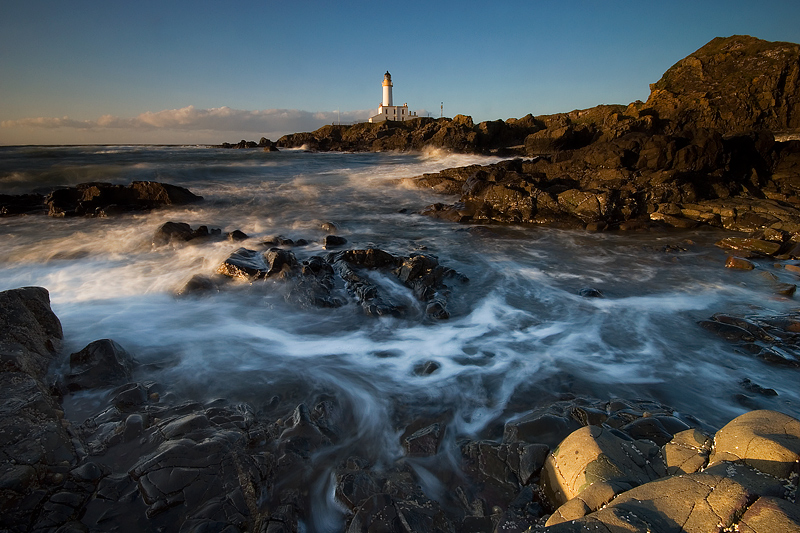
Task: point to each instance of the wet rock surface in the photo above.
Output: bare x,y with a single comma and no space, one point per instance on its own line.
104,199
99,364
98,199
38,447
181,232
772,339
381,283
732,183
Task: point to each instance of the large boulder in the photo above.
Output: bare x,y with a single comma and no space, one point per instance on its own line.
244,264
30,332
100,364
181,232
593,464
766,440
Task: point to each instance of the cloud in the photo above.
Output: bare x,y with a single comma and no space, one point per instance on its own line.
47,122
190,118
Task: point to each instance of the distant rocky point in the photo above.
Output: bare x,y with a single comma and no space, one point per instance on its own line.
264,143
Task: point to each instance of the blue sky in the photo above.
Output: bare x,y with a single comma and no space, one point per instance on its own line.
207,72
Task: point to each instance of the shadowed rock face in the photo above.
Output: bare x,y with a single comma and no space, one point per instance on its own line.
37,451
732,84
313,281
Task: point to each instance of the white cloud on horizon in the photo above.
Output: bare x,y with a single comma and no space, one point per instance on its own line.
190,118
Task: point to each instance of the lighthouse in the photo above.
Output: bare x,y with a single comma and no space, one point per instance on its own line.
387,110
387,89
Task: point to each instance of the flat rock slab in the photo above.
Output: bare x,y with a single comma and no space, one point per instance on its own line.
771,514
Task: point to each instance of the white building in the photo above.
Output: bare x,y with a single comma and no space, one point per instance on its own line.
386,109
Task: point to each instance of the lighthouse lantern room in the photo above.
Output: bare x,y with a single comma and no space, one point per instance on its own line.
387,110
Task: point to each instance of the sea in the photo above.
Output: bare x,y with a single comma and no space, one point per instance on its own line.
521,333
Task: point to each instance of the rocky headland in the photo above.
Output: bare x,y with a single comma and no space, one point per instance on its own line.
712,145
733,86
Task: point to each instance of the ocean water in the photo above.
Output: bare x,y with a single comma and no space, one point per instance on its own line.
520,334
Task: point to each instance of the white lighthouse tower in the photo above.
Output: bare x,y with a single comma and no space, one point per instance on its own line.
387,110
387,90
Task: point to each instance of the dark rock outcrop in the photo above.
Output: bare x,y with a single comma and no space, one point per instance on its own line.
181,232
458,134
266,144
38,448
773,339
19,204
732,85
312,281
670,181
103,199
30,332
99,364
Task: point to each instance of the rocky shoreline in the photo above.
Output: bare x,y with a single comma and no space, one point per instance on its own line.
710,146
713,145
147,460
